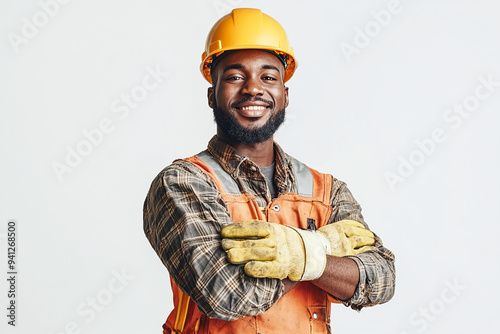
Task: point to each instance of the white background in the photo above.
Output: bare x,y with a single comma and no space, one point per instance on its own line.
357,116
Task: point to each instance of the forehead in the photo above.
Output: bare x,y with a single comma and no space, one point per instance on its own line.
250,59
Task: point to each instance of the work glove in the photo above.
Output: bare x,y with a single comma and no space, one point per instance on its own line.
278,251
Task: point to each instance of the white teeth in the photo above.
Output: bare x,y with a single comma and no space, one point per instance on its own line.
253,108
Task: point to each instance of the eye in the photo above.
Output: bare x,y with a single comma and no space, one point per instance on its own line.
234,78
267,77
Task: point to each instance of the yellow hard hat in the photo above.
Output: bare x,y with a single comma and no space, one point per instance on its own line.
247,28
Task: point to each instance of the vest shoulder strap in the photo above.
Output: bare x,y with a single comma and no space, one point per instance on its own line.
303,176
229,184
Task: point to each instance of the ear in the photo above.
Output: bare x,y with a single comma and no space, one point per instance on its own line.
286,97
210,96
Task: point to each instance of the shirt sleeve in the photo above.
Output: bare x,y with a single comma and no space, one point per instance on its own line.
377,273
183,215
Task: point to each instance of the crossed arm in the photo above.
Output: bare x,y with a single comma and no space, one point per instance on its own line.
183,217
340,278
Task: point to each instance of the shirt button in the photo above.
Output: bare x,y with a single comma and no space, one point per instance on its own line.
315,315
276,207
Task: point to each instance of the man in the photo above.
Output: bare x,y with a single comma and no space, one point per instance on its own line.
255,241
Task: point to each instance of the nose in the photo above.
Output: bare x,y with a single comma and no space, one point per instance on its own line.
252,86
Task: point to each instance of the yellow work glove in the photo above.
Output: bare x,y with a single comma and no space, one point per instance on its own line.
347,237
279,251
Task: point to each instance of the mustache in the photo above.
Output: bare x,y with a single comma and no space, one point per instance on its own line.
252,99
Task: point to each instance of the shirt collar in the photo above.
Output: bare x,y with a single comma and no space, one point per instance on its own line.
231,160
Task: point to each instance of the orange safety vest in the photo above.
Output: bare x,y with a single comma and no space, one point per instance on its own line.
305,308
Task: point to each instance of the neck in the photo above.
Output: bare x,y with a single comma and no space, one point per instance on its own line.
262,154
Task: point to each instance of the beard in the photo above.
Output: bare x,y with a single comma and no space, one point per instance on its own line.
235,132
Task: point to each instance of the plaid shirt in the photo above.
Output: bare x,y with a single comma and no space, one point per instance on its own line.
183,216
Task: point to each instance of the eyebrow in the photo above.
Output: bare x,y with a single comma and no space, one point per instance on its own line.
232,67
240,66
270,67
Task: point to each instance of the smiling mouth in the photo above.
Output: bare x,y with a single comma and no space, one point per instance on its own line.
252,111
251,108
